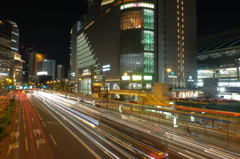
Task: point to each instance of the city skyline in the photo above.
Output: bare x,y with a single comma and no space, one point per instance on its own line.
48,27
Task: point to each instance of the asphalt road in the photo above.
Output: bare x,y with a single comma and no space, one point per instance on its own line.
36,132
45,126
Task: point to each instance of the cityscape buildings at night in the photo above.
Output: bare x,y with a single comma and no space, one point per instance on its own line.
134,44
60,71
28,53
10,60
219,58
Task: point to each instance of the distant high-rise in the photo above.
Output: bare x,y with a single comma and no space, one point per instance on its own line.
49,66
60,72
28,55
10,29
141,39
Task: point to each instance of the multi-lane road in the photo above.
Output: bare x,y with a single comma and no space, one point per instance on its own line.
49,126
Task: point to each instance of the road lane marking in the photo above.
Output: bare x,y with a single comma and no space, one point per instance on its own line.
53,139
15,134
43,124
26,144
74,135
12,146
52,123
36,131
40,141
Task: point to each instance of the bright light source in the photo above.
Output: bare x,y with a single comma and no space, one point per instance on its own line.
222,89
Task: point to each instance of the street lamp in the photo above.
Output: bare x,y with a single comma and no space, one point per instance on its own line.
127,77
169,70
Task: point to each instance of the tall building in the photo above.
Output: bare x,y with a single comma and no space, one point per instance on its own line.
49,66
10,61
28,55
129,44
219,60
18,70
60,71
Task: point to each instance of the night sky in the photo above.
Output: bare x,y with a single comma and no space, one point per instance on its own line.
47,25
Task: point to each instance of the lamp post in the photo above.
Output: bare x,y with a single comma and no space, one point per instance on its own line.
126,74
67,85
169,70
79,86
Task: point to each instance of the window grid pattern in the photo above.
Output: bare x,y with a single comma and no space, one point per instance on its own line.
148,18
137,59
148,40
85,56
180,37
148,62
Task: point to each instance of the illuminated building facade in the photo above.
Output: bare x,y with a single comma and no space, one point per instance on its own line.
28,55
219,58
18,70
60,72
10,61
9,45
49,66
129,44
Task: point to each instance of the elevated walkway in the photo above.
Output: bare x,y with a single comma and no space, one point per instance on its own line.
141,93
149,98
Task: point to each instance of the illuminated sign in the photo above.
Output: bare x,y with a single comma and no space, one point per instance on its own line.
170,76
86,71
131,5
4,74
17,56
105,68
190,79
42,73
125,77
137,77
148,78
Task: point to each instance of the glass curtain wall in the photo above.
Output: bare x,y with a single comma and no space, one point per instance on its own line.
137,40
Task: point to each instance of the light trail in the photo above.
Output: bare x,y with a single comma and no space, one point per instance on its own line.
195,147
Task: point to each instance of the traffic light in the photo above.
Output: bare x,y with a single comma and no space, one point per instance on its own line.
10,87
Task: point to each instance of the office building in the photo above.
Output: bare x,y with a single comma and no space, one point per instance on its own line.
219,61
128,44
60,71
28,55
18,70
49,67
10,61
